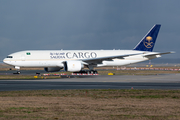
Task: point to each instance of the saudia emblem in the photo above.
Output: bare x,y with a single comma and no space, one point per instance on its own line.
148,42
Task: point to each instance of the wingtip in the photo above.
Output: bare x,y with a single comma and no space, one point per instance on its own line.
172,52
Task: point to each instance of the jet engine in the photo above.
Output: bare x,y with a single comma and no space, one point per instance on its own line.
52,69
73,66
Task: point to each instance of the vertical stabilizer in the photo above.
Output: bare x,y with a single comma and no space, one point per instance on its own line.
148,41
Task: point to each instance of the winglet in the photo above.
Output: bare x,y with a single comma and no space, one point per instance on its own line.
148,41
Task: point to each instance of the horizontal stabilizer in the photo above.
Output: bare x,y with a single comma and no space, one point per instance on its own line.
149,55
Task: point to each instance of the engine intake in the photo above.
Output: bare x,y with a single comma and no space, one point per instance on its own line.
73,66
52,69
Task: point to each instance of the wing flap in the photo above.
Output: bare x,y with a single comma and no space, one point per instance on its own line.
109,58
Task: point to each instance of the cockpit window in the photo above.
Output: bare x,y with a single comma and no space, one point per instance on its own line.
28,53
9,57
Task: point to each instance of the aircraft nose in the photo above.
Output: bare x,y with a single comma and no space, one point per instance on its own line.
5,60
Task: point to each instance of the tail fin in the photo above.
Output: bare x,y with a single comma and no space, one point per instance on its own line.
148,41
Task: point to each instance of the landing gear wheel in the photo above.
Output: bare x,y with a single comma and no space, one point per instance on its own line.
92,71
88,72
95,72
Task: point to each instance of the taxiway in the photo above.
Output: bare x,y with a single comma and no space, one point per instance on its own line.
167,81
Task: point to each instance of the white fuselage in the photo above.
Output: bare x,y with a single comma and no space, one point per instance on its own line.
76,60
55,58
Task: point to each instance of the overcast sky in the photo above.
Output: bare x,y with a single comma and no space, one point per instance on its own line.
87,24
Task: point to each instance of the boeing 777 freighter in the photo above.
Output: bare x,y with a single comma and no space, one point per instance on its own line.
76,60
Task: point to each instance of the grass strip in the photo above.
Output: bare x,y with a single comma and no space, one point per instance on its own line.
90,104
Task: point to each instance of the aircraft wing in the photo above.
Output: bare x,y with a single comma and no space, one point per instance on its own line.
150,55
109,58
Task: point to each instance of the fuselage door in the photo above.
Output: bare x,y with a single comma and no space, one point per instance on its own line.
22,57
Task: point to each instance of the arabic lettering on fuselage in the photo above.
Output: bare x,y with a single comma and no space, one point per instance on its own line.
72,55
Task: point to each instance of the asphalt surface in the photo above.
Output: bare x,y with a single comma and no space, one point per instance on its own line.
24,72
168,81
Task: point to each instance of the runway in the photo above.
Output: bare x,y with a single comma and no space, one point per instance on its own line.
168,81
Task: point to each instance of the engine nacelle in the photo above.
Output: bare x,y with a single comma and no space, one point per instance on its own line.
73,66
52,69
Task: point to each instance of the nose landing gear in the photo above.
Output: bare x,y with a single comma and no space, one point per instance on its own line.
18,70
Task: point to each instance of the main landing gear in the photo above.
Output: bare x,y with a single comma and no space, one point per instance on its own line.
87,72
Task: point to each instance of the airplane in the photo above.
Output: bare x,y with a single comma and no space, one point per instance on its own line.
77,60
